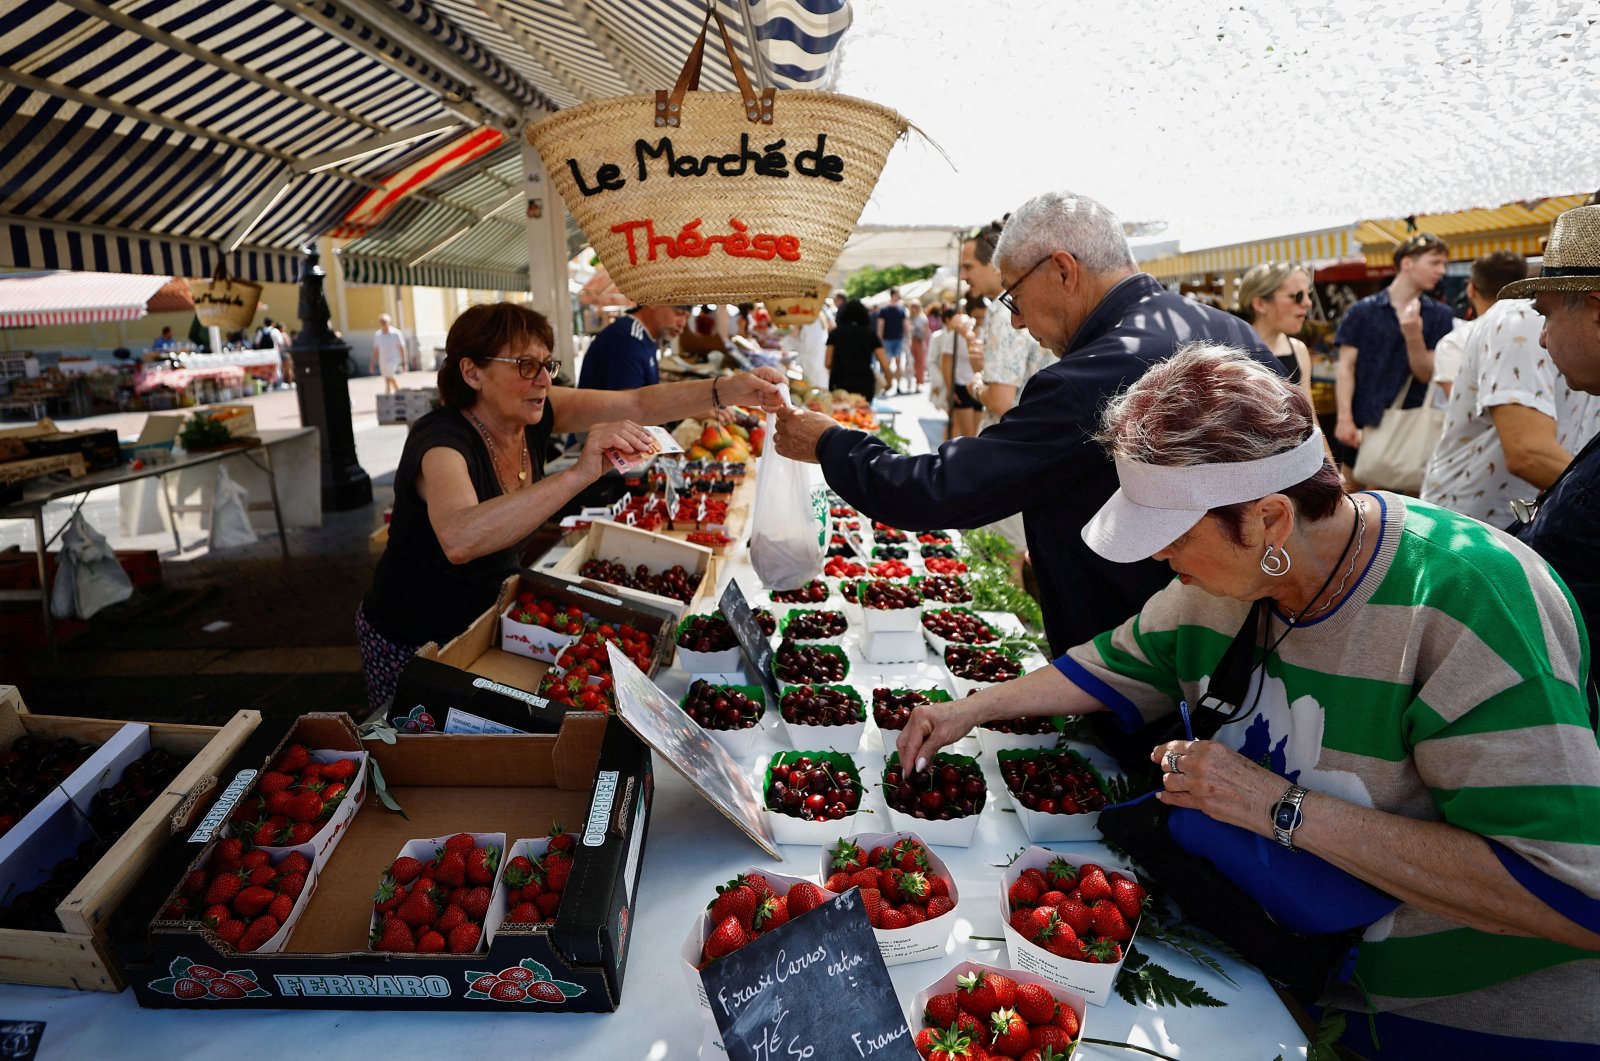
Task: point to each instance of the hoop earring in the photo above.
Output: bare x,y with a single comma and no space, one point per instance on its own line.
1275,562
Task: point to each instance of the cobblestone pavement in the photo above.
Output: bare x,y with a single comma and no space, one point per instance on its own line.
288,643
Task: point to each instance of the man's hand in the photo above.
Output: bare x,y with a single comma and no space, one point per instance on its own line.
1410,316
1347,432
798,432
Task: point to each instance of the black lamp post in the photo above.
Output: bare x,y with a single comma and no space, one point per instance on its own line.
322,382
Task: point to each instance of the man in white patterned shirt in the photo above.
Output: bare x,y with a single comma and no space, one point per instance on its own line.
1512,423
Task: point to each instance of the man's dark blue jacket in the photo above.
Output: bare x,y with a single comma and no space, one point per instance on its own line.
1041,458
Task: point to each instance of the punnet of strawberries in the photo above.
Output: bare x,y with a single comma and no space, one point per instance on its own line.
889,568
293,799
839,567
581,677
1083,913
945,565
534,885
534,610
899,886
933,537
991,1015
241,894
1052,782
438,905
749,906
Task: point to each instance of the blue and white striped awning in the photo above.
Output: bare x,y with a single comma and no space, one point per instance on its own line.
154,135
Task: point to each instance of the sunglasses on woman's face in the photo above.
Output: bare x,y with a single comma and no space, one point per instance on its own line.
1300,297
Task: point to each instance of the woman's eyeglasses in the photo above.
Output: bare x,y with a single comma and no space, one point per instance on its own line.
530,367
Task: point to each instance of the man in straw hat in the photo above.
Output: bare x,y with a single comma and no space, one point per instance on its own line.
1563,524
1069,278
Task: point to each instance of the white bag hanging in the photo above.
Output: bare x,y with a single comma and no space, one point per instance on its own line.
230,513
89,577
786,546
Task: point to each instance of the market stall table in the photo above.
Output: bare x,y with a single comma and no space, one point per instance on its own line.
40,493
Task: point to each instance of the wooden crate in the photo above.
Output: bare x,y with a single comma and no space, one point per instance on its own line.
79,956
608,540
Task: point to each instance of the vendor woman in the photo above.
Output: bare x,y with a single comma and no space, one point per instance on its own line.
1414,746
471,485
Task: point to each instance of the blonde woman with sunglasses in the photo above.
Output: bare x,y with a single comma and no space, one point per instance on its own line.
1275,298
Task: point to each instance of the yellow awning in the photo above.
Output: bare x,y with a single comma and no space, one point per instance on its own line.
1313,248
1520,227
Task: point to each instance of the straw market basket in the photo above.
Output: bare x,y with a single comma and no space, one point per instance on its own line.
787,312
691,196
226,302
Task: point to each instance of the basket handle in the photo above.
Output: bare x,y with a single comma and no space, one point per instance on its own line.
669,105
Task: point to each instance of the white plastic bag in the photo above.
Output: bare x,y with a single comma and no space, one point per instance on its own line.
786,547
89,577
230,513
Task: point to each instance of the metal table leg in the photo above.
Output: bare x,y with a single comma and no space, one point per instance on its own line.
277,510
39,547
172,517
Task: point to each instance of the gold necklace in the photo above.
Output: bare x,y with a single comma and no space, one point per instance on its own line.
494,453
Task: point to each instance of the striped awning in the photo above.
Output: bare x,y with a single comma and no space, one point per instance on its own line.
1520,227
155,135
1322,247
75,298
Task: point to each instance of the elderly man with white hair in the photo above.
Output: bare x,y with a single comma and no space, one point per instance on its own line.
1071,281
388,353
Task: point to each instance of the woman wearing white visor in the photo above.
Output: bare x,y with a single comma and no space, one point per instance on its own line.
1414,748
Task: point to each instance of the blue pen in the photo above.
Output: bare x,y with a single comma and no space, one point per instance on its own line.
1183,710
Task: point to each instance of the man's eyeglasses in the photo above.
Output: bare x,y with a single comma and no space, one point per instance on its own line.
530,367
1008,298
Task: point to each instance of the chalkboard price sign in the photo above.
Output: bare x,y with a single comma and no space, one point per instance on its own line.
814,990
752,642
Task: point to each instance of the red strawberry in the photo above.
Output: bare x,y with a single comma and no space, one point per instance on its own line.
261,929
1063,875
451,869
340,770
186,989
865,878
548,903
846,857
927,1040
1052,898
1008,1033
215,915
560,839
450,918
1035,1004
909,856
734,899
252,900
1037,878
1128,895
1067,1020
388,896
395,935
281,907
1109,922
281,802
405,869
273,781
463,939
294,862
177,910
892,919
872,900
506,991
305,807
229,850
981,992
293,760
194,884
728,936
519,871
772,912
545,991
223,889
1050,1036
430,942
803,897
914,913
475,902
482,865
254,860
941,1010
1077,915
419,908
838,883
261,876
1064,943
523,914
292,885
1103,951
939,905
1023,892
1022,921
230,930
460,843
1092,883
293,834
556,872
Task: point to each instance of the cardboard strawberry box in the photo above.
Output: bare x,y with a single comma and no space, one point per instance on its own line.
472,684
1042,826
914,943
947,983
1092,980
593,771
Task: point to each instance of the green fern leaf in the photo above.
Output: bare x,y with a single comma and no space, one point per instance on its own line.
1143,981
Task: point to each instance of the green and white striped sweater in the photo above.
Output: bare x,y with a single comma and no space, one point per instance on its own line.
1449,686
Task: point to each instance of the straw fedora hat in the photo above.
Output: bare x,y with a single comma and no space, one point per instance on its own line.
1571,258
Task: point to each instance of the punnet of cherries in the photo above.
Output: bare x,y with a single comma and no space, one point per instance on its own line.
813,786
814,625
676,581
959,625
809,664
891,708
813,592
888,596
947,589
822,705
981,664
724,707
951,787
1052,782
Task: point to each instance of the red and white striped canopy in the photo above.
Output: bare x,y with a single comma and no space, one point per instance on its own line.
38,299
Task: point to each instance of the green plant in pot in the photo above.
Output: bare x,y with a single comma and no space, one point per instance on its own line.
201,432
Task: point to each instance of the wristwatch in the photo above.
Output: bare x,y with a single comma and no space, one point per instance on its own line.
1286,816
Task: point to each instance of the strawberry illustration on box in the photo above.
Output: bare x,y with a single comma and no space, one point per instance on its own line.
906,888
193,983
438,895
1070,919
977,1011
528,981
